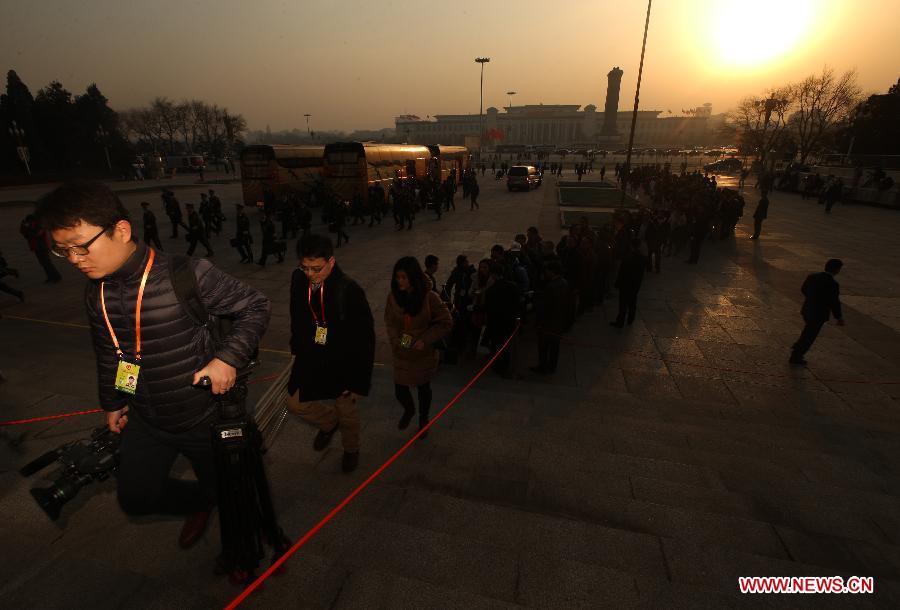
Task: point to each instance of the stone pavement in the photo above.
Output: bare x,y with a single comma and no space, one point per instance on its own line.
658,465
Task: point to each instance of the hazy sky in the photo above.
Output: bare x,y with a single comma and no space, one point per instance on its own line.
357,64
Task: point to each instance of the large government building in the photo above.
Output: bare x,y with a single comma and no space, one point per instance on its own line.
567,125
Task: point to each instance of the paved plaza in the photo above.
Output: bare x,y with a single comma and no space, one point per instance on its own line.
657,466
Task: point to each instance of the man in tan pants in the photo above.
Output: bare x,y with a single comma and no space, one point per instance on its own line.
333,341
328,418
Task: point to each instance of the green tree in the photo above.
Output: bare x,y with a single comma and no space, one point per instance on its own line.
54,112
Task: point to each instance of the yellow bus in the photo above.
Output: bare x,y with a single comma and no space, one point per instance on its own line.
352,167
280,169
448,158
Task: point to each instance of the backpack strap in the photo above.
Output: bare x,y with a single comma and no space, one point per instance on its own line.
184,282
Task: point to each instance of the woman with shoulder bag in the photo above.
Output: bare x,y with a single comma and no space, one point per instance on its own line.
416,319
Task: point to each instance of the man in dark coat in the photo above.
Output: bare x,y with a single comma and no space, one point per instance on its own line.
631,274
333,341
822,299
196,232
552,313
163,414
501,304
151,231
270,244
242,237
173,211
36,236
761,213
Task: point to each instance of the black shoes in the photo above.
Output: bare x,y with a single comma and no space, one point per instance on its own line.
424,435
407,416
323,438
797,360
539,370
617,324
350,461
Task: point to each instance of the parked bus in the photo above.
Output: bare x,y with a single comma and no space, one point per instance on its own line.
447,158
352,167
280,169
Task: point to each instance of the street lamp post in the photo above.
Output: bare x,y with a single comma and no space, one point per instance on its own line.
307,115
510,94
102,134
637,93
19,135
482,61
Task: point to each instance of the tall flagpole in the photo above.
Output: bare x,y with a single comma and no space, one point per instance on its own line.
637,94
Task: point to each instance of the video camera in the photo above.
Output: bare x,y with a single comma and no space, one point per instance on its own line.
83,461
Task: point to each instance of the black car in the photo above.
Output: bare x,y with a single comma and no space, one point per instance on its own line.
724,165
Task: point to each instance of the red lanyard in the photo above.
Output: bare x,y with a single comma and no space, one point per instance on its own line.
137,312
321,303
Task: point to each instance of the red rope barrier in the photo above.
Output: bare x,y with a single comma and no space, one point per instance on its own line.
90,411
318,526
48,417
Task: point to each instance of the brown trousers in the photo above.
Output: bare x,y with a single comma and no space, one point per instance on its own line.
326,416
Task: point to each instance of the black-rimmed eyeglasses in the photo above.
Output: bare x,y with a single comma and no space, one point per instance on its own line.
80,249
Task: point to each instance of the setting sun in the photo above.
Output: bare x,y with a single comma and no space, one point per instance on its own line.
752,35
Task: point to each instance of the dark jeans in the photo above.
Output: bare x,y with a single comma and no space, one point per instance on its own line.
201,239
807,337
654,254
244,249
757,227
148,453
404,396
627,306
548,352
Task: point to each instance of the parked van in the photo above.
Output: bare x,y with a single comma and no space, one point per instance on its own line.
524,177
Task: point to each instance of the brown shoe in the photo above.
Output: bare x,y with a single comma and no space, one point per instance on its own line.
193,528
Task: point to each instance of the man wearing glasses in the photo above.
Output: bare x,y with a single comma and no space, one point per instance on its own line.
333,341
150,352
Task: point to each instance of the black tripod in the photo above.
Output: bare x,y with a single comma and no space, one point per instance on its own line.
246,514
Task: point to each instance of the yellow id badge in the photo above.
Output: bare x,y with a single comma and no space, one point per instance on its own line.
405,341
321,335
127,377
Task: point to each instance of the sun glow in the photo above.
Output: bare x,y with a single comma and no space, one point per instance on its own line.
754,34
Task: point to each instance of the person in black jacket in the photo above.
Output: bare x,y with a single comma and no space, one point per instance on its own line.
243,240
333,341
151,231
631,274
502,308
761,213
196,232
552,315
822,299
163,414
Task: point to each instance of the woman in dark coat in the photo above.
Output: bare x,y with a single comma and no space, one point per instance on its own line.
416,318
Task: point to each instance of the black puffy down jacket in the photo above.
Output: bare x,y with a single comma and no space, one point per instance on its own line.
173,346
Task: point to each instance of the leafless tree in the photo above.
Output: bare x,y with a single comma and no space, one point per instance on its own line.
824,103
761,123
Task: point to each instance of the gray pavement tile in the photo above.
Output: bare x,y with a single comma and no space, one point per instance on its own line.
437,558
548,581
851,557
373,588
69,581
659,520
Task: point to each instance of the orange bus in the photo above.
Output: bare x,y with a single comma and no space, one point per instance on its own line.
352,167
448,158
279,168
